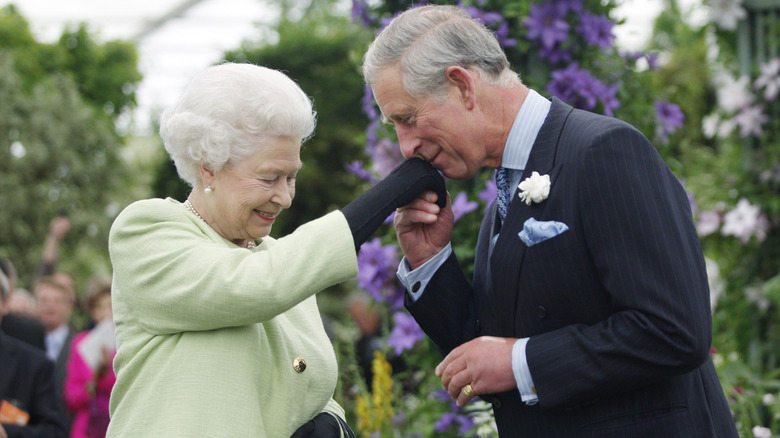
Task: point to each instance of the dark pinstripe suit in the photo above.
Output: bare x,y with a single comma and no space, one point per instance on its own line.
617,307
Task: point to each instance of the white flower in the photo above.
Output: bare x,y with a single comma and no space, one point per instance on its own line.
727,13
733,95
761,432
717,285
768,399
710,124
770,78
535,188
750,119
744,221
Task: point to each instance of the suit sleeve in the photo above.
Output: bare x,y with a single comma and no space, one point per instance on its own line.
445,311
639,232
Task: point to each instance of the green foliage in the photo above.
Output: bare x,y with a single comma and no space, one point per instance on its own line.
59,148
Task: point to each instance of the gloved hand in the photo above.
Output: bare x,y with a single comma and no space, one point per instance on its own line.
324,425
403,185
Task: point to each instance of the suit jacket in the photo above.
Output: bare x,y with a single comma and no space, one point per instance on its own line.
208,333
27,381
26,329
616,308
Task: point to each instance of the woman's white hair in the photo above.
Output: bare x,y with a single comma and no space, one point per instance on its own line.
228,112
426,40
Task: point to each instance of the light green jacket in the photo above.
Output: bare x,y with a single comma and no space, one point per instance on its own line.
207,332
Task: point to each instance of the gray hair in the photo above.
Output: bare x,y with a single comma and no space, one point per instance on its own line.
426,40
5,287
228,112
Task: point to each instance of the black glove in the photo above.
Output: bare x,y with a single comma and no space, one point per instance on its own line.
324,425
403,185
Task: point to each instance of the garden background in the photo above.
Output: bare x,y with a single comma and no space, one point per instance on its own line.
704,92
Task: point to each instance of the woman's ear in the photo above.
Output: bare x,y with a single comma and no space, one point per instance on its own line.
206,175
463,80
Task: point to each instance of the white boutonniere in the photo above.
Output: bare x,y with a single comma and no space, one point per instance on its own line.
535,188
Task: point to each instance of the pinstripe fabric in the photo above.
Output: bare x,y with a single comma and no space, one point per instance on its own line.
616,308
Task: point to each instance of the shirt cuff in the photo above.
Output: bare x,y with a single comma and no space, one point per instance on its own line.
415,281
525,384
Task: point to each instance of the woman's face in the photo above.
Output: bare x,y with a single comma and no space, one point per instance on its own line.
247,197
101,309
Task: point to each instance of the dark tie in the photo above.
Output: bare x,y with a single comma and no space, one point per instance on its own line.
504,193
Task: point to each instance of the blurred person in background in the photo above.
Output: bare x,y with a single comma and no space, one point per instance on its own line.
90,376
29,406
21,326
22,302
55,307
217,326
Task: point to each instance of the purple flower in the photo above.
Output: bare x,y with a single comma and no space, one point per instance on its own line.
386,155
405,333
356,168
652,60
502,35
609,100
488,194
546,23
582,90
597,30
360,13
445,422
488,18
573,5
555,54
377,264
462,206
670,118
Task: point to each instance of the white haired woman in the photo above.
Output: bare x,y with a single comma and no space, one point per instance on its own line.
218,330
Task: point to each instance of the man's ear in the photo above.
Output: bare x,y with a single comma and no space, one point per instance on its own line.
464,81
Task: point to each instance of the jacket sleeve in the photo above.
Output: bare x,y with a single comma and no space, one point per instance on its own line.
180,275
46,416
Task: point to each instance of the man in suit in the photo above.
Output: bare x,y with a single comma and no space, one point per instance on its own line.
55,307
29,406
588,314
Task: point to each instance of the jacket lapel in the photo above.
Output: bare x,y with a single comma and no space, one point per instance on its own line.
507,256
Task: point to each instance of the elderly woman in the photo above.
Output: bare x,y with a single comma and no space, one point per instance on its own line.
218,330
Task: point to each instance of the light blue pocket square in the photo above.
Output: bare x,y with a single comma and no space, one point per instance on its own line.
536,232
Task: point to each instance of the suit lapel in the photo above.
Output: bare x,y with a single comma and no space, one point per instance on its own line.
507,256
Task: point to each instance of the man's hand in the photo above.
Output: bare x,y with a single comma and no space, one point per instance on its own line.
423,228
485,363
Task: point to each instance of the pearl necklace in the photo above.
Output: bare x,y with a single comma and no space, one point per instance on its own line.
249,245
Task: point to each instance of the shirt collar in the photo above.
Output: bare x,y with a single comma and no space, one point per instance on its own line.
528,122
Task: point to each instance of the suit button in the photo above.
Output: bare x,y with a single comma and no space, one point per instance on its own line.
416,286
479,327
541,312
299,365
496,403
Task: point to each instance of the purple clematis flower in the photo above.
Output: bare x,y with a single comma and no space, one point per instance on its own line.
597,30
546,23
462,206
670,119
356,168
405,333
376,274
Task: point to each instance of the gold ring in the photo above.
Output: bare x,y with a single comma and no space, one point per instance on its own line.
468,391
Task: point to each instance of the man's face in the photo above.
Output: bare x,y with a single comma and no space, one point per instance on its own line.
54,306
439,132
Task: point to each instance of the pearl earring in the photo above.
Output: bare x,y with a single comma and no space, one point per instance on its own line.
207,190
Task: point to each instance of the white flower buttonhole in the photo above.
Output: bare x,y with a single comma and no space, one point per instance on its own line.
535,188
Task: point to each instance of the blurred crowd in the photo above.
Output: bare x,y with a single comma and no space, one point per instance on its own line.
55,375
